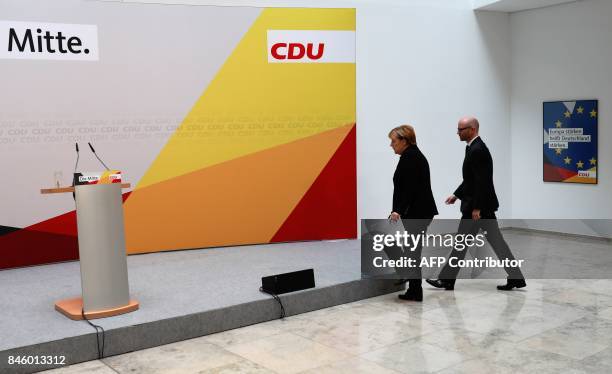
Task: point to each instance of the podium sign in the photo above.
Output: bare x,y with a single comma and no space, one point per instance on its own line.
102,177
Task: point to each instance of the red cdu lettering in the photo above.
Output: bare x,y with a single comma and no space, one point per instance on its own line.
297,51
275,52
310,53
296,54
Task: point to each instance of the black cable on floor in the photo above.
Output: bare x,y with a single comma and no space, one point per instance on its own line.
99,334
277,298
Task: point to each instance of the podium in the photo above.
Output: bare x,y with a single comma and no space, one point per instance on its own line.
103,260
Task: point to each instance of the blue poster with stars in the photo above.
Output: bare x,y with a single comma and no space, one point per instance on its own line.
570,141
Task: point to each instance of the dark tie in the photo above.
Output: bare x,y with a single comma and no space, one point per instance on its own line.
467,148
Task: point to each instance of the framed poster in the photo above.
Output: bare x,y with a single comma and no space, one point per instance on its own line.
570,141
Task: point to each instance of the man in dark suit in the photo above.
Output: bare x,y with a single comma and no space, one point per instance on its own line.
413,200
478,206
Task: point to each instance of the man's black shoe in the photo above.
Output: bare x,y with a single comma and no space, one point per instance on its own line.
412,294
439,283
512,283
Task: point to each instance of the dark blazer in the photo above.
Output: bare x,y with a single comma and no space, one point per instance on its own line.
477,190
412,196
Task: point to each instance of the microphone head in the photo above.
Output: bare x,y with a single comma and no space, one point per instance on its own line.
91,147
77,147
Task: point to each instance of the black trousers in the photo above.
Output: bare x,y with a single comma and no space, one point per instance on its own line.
414,274
488,224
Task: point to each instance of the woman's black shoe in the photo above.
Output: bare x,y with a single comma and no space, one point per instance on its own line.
414,295
512,283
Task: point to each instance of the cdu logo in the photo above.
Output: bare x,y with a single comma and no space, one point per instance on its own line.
311,46
297,51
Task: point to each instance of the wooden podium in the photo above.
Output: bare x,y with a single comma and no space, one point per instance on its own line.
102,256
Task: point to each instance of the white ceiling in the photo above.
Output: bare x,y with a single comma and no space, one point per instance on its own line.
515,5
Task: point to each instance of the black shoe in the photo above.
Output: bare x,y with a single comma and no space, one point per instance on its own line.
412,294
512,283
440,283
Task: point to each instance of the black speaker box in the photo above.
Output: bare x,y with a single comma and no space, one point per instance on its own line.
288,282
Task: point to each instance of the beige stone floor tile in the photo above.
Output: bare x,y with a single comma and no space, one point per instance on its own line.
238,367
189,356
555,342
476,366
410,357
353,365
288,353
94,367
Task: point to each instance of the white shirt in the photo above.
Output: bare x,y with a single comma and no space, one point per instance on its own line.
472,141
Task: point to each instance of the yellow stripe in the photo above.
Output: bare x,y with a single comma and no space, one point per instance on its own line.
252,105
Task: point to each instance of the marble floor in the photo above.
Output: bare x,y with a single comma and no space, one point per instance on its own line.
552,326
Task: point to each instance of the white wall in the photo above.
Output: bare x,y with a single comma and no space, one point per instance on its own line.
428,67
427,63
559,53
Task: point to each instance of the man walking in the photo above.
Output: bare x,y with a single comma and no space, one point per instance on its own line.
478,206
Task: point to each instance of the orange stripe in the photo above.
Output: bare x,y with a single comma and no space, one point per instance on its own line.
241,201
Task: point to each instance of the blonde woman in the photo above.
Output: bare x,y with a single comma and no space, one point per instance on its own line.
413,200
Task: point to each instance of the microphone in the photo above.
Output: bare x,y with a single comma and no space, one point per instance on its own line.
77,160
94,152
76,164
